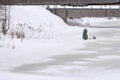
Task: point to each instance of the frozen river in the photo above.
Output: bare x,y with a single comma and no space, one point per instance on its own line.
100,55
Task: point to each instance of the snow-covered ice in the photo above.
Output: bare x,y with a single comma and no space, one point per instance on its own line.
52,50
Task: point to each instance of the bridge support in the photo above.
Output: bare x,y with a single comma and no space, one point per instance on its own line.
66,16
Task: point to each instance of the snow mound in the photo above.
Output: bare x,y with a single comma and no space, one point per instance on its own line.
96,22
35,21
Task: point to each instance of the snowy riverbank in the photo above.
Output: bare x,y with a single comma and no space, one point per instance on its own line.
96,22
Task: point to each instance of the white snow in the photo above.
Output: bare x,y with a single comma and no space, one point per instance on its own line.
99,22
87,7
55,37
46,35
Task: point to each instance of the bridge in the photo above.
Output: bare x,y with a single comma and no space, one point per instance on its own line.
85,12
60,2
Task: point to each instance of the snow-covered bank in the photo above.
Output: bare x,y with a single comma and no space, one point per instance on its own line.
36,21
96,22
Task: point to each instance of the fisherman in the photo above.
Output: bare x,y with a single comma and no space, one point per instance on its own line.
85,35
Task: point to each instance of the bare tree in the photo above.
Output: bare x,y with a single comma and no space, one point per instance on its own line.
5,19
4,30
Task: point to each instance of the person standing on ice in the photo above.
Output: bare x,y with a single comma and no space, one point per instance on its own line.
85,35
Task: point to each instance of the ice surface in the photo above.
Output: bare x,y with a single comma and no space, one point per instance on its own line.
60,54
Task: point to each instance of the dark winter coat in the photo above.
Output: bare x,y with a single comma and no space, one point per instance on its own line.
85,35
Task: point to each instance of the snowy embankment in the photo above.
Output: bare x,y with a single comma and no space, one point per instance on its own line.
96,22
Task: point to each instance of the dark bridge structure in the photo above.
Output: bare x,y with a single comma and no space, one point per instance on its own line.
60,2
73,12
